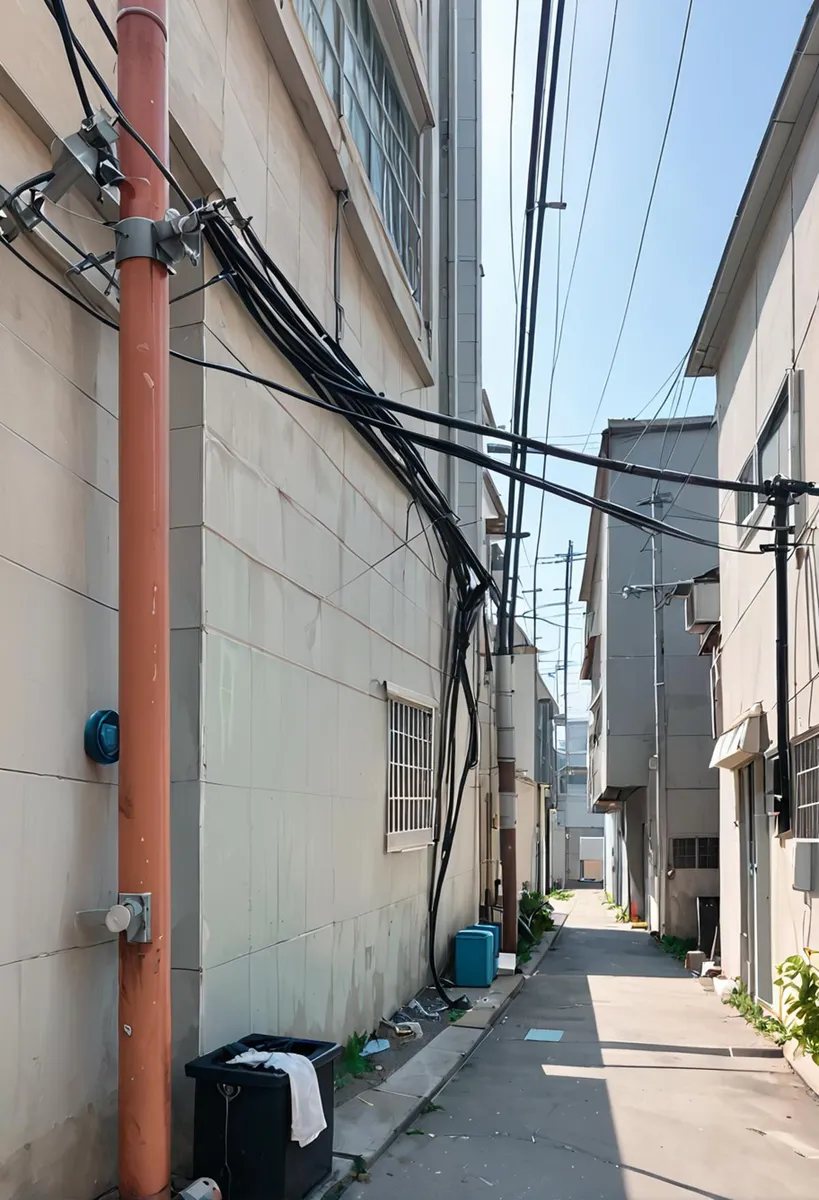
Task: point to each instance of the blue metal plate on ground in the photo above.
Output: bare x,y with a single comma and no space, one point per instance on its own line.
544,1035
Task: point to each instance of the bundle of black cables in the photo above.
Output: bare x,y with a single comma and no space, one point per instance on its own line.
295,331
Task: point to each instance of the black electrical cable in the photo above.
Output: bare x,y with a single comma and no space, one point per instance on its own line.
103,24
293,329
554,70
59,14
442,445
589,179
27,184
629,296
84,256
538,111
75,47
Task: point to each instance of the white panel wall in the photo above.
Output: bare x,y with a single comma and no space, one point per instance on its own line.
774,330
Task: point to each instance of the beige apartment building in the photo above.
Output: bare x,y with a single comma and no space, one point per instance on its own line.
759,336
349,131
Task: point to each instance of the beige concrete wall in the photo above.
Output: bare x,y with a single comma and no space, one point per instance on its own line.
773,332
287,913
527,832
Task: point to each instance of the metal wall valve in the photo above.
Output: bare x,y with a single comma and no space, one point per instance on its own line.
131,915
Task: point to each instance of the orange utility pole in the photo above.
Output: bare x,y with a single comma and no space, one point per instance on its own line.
144,621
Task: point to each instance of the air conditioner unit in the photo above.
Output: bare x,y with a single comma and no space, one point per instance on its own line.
702,606
806,867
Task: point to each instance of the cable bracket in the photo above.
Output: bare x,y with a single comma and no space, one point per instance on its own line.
168,241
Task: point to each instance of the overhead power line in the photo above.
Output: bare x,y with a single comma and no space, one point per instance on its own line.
527,307
649,206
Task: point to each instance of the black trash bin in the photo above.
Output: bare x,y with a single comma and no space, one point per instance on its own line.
241,1135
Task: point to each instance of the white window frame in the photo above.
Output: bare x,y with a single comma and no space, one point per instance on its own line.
411,799
789,397
330,47
809,775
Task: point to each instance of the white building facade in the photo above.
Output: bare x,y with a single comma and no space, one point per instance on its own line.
758,336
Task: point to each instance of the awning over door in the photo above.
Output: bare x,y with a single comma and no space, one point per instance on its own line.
739,744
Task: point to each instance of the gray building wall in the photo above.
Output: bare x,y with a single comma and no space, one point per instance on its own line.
622,729
573,816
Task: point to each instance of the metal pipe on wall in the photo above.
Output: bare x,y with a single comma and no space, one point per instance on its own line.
507,799
144,619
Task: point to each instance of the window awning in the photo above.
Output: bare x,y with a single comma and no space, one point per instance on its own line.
738,745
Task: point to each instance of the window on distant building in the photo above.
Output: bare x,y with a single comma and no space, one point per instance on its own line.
806,788
358,76
691,853
410,774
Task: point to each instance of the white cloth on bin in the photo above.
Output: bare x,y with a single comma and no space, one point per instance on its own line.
307,1111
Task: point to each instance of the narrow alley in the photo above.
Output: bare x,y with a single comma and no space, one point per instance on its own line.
654,1090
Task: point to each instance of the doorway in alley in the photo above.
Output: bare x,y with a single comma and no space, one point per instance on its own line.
755,849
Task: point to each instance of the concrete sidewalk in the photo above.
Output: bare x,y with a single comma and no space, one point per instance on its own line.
655,1090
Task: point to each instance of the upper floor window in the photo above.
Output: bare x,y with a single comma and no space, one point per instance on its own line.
353,62
746,501
776,450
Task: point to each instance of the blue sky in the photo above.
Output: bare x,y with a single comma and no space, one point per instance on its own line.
736,57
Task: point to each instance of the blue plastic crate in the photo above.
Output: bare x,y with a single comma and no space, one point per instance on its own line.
474,958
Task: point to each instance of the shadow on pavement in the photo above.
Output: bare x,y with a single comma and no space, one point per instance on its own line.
646,1096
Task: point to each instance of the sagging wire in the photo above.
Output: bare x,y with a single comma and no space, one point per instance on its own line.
364,420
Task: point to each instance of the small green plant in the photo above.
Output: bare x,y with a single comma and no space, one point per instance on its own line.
677,947
534,919
799,981
755,1015
455,1014
353,1065
621,914
560,894
431,1108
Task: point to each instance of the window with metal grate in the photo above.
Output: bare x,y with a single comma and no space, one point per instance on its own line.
806,788
365,90
695,853
410,775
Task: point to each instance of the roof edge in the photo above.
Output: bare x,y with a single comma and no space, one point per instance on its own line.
793,108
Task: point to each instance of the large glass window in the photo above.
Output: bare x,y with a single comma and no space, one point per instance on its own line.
358,76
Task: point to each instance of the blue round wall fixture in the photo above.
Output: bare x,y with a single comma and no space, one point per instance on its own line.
101,736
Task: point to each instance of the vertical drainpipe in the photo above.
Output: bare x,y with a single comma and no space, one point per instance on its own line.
658,500
507,799
144,1024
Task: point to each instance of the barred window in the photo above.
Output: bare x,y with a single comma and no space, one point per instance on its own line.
691,853
410,774
358,76
806,788
708,853
683,853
